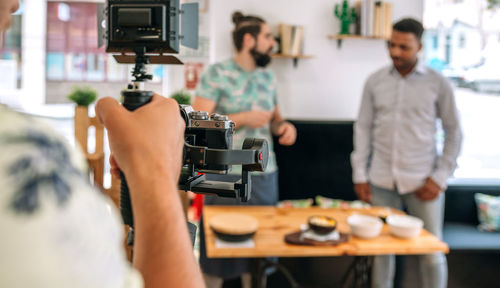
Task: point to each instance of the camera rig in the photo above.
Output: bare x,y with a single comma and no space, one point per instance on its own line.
140,32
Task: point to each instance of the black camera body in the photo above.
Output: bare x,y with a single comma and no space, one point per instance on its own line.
212,131
208,148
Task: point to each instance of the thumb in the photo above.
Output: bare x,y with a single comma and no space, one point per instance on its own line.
109,112
282,129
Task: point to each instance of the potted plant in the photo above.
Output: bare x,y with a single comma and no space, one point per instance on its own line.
182,97
83,96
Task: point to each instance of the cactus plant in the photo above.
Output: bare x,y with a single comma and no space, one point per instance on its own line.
346,16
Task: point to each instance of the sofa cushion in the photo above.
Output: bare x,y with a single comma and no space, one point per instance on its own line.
488,212
460,205
460,236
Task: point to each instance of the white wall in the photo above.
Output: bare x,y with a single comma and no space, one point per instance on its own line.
327,87
33,42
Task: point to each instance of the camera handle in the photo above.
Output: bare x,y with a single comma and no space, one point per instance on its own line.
134,97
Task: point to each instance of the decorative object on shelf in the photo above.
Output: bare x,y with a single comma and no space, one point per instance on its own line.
346,16
291,39
290,43
182,97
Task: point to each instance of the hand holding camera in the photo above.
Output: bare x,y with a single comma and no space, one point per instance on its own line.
156,128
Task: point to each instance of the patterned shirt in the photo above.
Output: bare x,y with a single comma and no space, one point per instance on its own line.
57,231
236,90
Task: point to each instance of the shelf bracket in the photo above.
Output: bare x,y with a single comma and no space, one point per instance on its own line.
339,43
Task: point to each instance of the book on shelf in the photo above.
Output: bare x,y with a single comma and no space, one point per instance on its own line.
357,27
374,18
291,39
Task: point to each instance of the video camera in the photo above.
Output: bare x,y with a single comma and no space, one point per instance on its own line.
140,32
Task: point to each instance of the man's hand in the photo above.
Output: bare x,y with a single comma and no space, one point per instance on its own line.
286,132
429,191
148,140
363,192
252,119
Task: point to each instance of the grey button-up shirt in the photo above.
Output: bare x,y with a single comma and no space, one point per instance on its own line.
395,133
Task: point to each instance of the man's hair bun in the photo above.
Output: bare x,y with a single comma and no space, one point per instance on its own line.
237,17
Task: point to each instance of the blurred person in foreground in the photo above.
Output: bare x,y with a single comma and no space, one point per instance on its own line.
58,231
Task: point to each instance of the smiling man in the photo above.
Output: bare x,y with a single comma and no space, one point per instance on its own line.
395,162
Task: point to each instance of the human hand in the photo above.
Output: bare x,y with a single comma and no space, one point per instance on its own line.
363,192
255,119
287,133
148,140
429,191
7,7
114,169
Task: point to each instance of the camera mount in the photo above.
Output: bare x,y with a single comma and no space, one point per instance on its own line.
139,32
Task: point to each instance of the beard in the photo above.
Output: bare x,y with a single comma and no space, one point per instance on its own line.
400,63
261,59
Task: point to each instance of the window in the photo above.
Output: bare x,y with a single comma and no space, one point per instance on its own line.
11,56
72,50
435,41
461,41
469,58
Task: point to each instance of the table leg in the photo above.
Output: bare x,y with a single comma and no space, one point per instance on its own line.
360,269
259,273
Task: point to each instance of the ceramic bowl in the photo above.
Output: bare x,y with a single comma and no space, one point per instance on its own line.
404,226
365,226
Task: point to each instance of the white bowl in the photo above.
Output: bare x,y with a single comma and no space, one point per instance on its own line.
365,226
404,226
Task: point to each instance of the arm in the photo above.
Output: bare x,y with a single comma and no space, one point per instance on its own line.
151,162
360,157
448,113
363,126
285,130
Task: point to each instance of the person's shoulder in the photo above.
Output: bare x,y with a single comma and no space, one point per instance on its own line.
221,66
434,73
377,75
219,70
13,122
21,134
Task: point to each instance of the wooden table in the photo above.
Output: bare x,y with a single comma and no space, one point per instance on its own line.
275,223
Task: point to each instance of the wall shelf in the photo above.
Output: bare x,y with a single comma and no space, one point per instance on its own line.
339,38
294,57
